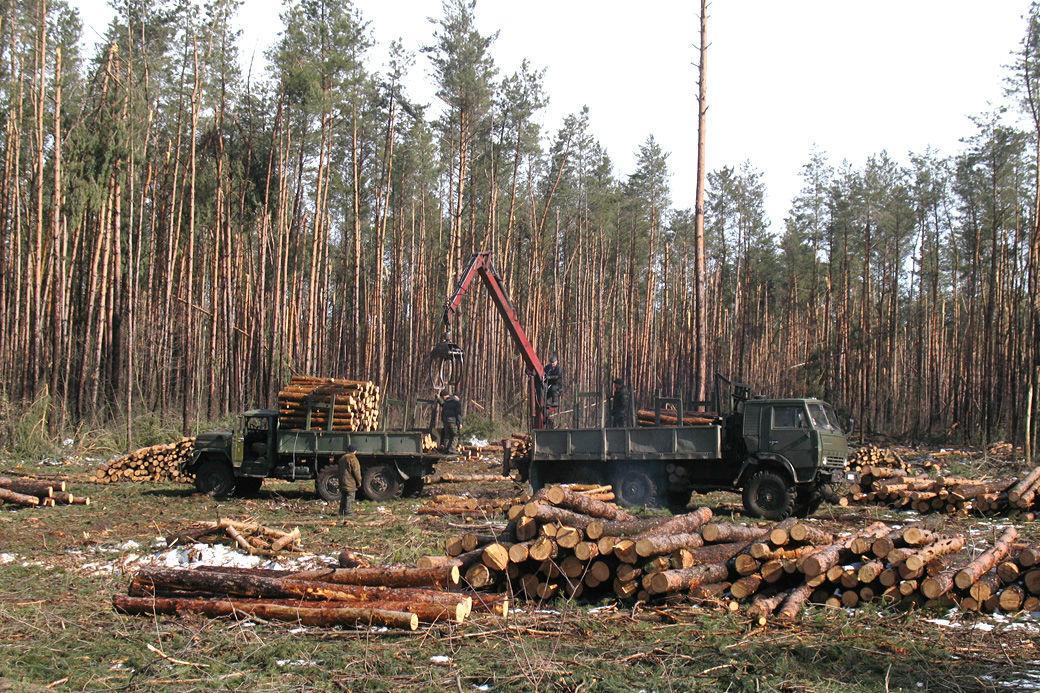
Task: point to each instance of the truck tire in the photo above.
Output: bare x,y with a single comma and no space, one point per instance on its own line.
247,486
768,495
634,487
215,478
326,483
381,482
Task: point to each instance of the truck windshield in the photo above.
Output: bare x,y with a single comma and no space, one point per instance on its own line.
823,417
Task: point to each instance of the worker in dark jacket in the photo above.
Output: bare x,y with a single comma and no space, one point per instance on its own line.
451,420
553,381
349,480
620,402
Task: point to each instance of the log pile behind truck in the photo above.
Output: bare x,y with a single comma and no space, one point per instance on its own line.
356,404
566,542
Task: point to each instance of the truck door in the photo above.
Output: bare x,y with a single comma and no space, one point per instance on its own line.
257,445
791,435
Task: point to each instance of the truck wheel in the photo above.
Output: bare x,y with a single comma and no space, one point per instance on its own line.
215,478
767,495
247,486
381,482
326,484
633,487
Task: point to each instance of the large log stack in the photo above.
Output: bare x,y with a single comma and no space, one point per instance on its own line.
393,597
37,493
520,448
356,405
951,495
153,463
566,542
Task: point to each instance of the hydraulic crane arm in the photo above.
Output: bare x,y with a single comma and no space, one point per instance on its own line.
480,265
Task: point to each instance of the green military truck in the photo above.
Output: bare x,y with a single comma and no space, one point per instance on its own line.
784,455
393,463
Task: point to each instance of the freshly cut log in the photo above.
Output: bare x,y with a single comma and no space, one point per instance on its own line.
802,532
9,496
619,528
478,576
746,586
550,513
435,562
919,536
310,616
669,581
1012,598
987,560
882,546
818,563
657,544
586,550
543,549
32,487
779,534
724,532
1024,485
568,537
496,556
585,505
941,547
794,602
986,586
682,524
765,604
446,576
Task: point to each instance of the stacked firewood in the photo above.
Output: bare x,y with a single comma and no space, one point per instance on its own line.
467,506
356,406
520,447
874,456
952,495
647,417
251,537
37,493
428,443
153,463
394,597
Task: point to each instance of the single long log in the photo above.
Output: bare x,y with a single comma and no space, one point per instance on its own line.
794,602
310,616
746,586
765,604
544,512
803,532
32,487
657,544
819,562
987,560
942,547
9,496
1024,485
446,576
669,581
724,532
779,533
682,524
620,528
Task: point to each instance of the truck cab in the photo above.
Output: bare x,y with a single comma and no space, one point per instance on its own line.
797,442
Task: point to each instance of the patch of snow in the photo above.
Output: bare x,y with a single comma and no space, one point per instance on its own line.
297,630
128,545
68,442
479,442
296,662
6,558
195,555
550,612
440,659
482,687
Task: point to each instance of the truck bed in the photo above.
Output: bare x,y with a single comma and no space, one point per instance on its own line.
311,443
643,443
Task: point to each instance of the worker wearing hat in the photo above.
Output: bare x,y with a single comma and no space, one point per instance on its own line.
349,480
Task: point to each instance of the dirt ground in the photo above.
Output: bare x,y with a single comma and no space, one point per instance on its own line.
60,567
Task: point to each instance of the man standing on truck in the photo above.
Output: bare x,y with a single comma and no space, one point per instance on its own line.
620,402
451,420
349,480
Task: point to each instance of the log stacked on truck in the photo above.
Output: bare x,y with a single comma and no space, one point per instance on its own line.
356,405
37,493
951,495
153,463
393,597
520,448
566,543
248,536
647,417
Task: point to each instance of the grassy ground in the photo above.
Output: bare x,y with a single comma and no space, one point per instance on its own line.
59,568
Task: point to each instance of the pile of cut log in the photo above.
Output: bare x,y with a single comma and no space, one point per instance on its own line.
251,537
568,542
37,493
355,404
467,506
355,597
153,463
874,456
476,452
520,447
647,417
464,478
952,495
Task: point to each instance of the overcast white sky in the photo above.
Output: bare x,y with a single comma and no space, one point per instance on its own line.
851,77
